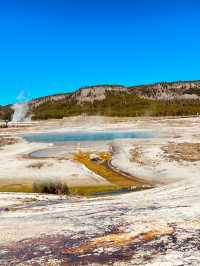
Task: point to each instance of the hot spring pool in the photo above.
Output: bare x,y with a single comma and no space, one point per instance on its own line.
86,136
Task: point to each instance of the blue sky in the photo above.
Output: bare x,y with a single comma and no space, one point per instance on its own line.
52,46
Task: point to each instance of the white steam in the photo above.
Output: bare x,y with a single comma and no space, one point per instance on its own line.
20,109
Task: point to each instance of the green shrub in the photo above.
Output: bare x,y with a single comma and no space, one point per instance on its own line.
50,187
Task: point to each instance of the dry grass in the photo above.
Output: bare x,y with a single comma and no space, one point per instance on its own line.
50,187
15,186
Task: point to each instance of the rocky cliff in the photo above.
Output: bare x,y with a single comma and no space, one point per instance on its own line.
162,90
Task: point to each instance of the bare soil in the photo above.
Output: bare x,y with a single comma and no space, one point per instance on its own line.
183,151
7,141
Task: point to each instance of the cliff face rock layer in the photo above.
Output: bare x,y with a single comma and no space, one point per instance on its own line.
169,90
89,94
57,97
162,90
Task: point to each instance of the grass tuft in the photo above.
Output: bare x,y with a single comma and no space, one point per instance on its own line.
50,187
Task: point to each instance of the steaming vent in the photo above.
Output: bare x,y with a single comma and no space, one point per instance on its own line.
20,111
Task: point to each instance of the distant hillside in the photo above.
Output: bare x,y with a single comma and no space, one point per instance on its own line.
163,90
160,99
164,98
51,98
168,90
5,112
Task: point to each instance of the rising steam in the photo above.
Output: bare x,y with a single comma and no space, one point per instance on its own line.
20,108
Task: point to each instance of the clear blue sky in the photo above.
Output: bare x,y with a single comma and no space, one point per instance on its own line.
52,46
